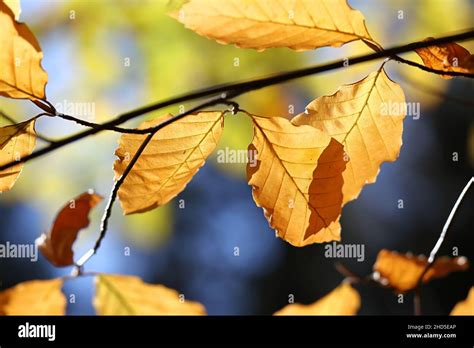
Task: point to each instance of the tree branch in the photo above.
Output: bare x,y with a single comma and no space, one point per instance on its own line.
128,169
13,121
232,90
438,244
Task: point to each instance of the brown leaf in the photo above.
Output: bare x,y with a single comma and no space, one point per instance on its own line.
465,307
129,295
16,142
169,162
56,245
21,76
367,118
15,6
344,300
447,57
402,272
260,24
36,297
297,180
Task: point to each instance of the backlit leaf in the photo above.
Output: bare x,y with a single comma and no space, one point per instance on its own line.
56,245
297,180
402,272
21,75
344,300
129,295
15,6
447,57
16,142
169,162
36,297
260,24
367,118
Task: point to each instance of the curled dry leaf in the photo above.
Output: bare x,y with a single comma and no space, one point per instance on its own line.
367,118
465,307
129,295
344,300
21,76
402,272
297,180
260,24
16,142
447,57
169,162
36,297
56,245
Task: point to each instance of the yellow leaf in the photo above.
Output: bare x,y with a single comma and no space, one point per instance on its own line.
36,297
260,24
402,272
465,307
15,6
447,57
21,75
344,300
129,295
169,162
16,142
367,118
297,180
56,245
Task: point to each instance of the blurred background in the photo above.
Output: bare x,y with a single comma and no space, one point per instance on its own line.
114,56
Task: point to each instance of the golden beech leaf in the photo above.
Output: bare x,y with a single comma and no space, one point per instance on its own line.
401,272
36,297
56,245
260,24
465,307
297,180
21,75
169,162
129,295
447,57
15,6
343,300
367,118
16,142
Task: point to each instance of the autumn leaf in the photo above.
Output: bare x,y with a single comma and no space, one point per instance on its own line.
21,76
56,245
129,295
297,180
15,6
260,24
447,57
169,162
16,142
344,300
465,307
36,297
402,272
367,118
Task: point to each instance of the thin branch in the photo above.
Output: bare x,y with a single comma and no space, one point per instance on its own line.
232,90
431,70
113,195
96,125
13,121
438,244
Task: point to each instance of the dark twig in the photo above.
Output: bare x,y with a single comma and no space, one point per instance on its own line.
233,90
13,121
431,70
437,246
113,195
